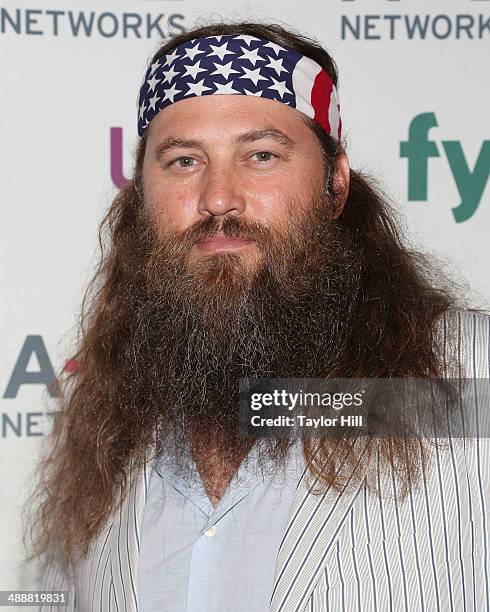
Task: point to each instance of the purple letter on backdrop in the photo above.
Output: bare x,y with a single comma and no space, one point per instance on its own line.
116,158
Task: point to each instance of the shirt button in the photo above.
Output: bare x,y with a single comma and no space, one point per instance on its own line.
210,532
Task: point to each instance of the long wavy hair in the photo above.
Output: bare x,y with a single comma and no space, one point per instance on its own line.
83,472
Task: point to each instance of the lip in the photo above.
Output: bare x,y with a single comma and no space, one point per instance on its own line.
221,242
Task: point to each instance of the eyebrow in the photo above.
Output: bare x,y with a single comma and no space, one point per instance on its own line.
173,142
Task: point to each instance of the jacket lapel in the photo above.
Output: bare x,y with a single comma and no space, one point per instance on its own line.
314,526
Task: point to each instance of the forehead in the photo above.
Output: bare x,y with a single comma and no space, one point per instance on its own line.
220,115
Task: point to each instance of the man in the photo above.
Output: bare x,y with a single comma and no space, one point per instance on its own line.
245,246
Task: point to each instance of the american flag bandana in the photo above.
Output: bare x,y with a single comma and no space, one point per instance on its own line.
240,64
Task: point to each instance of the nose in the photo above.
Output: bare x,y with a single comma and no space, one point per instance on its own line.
220,193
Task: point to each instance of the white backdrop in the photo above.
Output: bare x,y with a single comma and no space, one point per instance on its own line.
69,77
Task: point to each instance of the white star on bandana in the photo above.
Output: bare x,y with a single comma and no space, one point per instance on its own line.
194,69
171,93
171,57
225,69
276,48
192,52
154,100
247,39
221,51
276,64
170,74
154,66
253,93
280,87
153,83
198,88
252,56
253,75
227,88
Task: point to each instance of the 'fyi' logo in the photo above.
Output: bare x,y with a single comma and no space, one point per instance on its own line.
470,183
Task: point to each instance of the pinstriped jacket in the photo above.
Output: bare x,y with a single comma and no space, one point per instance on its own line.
351,550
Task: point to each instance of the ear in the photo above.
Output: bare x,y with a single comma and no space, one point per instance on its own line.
341,181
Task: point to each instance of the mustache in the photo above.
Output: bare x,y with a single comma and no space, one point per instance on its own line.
229,225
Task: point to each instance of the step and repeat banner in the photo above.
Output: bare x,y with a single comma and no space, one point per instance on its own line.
415,103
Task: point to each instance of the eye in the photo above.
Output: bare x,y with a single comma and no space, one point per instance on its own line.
264,156
183,162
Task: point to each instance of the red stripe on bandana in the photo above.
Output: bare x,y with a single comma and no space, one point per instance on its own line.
320,99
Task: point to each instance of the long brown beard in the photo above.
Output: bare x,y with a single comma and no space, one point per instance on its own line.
203,322
356,303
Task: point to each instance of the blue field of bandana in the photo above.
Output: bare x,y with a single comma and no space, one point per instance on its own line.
226,64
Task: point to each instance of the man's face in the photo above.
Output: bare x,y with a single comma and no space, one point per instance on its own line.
234,155
268,297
